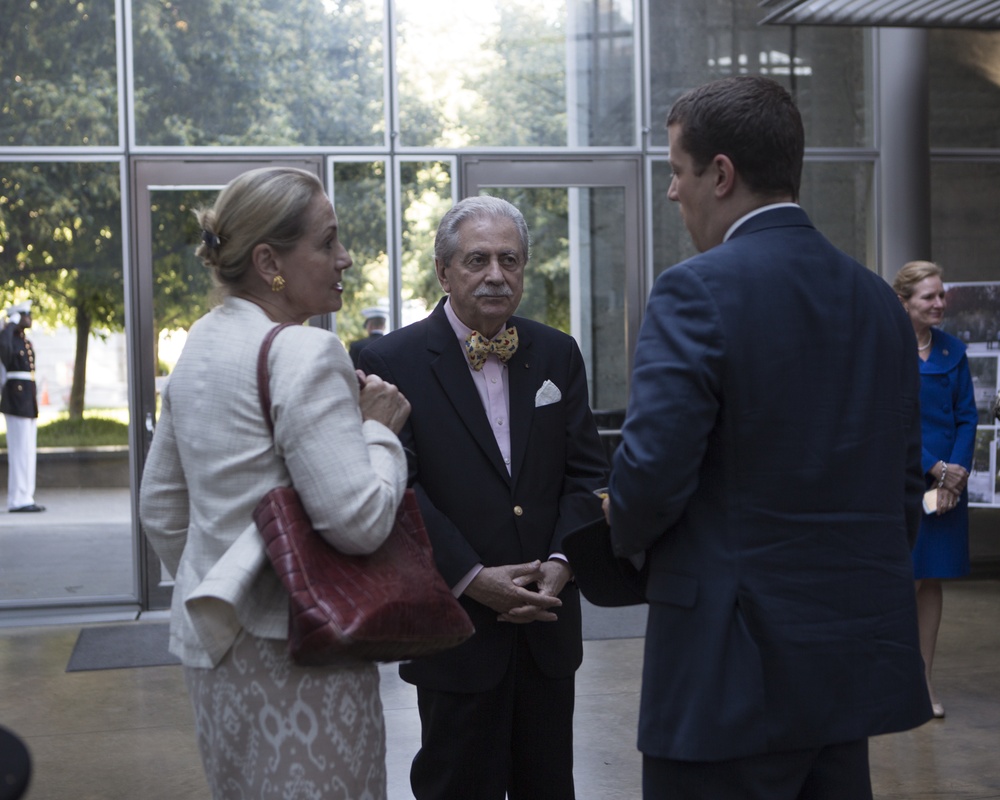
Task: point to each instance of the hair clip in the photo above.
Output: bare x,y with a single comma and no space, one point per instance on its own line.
211,240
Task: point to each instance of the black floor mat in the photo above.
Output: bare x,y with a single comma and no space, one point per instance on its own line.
130,644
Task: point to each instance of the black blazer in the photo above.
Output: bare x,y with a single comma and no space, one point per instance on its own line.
19,397
474,511
354,351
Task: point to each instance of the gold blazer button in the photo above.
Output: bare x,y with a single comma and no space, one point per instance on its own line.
518,511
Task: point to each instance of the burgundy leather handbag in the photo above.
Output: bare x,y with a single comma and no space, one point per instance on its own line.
391,605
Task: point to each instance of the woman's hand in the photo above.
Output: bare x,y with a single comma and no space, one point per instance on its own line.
946,501
382,402
955,477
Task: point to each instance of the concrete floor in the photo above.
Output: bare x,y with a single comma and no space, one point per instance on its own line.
128,735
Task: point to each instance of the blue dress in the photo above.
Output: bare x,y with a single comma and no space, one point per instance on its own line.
948,426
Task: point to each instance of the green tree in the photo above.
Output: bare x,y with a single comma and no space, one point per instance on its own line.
546,281
426,197
60,233
60,224
521,97
258,72
182,285
58,74
359,198
265,72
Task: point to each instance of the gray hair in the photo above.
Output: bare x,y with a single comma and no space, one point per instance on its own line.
446,240
265,205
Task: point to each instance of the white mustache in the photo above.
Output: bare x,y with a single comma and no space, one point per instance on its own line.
486,290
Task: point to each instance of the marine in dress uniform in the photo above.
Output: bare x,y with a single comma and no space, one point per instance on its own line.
19,404
375,319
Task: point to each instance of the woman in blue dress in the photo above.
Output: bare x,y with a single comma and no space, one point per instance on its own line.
948,426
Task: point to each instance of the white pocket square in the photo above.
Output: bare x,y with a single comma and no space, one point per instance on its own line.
547,394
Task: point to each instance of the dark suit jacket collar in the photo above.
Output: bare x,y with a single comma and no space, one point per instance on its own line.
773,218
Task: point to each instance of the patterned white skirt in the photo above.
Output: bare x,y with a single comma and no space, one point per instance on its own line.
269,729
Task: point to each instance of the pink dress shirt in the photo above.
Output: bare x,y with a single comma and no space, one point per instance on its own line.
491,383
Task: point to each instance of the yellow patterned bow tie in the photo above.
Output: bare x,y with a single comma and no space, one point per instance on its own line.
478,347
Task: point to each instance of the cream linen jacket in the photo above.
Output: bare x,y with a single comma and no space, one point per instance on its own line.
213,458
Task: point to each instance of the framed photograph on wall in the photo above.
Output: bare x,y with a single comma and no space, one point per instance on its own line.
973,316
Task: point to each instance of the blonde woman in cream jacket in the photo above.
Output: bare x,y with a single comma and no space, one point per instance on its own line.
265,725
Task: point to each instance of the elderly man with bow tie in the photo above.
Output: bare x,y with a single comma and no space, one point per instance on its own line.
505,457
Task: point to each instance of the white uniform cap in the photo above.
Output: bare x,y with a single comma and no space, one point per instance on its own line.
375,311
20,308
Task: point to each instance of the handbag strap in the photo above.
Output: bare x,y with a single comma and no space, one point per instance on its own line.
263,378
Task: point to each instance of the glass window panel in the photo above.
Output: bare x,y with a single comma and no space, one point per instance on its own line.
964,74
828,70
993,468
425,188
59,72
519,73
601,88
839,198
983,484
671,242
601,226
258,72
964,233
61,247
183,290
578,237
359,197
836,195
983,368
182,285
546,280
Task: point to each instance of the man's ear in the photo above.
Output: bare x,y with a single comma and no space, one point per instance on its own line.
439,268
264,263
725,175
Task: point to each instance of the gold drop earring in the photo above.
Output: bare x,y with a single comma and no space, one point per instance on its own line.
278,284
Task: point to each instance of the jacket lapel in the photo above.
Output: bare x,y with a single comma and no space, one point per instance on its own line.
450,367
521,384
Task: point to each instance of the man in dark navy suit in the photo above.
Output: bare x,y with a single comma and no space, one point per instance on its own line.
769,474
507,456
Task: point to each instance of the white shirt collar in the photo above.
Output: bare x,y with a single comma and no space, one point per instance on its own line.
754,213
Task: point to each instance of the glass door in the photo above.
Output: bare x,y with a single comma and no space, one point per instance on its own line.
64,253
586,275
172,289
